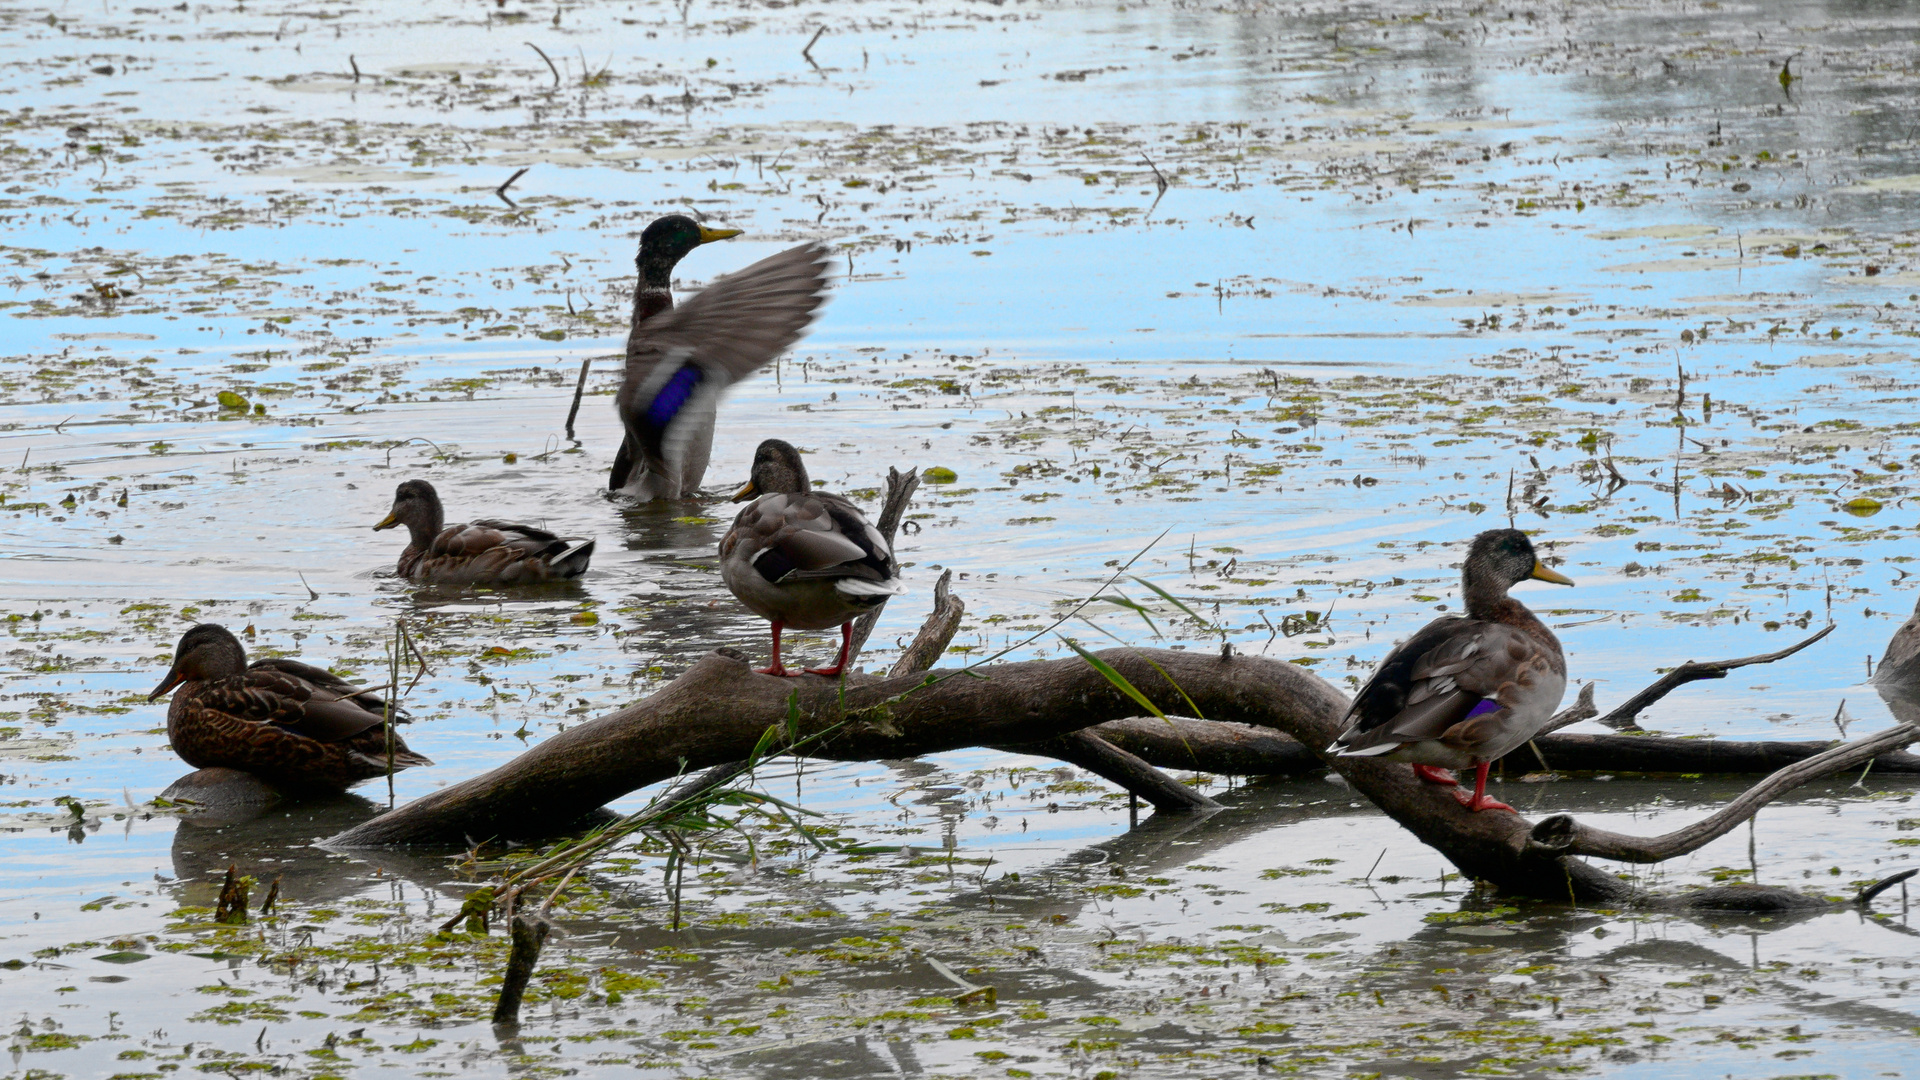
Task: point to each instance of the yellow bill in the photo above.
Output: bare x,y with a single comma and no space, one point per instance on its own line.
708,236
1541,572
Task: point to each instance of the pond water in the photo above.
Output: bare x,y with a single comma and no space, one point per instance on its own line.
1413,268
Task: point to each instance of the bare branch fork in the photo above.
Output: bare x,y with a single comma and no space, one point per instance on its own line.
1562,835
1624,718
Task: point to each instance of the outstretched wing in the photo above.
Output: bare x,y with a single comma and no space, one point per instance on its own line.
679,361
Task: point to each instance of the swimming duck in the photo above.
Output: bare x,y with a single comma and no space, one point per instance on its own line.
680,359
1465,690
291,724
803,558
485,552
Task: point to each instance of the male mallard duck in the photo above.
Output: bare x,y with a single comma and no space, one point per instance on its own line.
485,552
1465,690
803,558
288,723
680,359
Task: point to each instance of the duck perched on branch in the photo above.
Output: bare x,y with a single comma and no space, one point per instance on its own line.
484,552
1465,690
680,359
291,724
802,558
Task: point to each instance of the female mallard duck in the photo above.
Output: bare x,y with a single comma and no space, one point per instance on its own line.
803,558
286,722
680,359
485,552
1465,690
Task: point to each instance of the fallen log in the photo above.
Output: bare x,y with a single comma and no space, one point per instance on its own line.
1244,750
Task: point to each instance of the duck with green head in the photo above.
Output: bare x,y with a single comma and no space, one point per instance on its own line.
681,358
1466,689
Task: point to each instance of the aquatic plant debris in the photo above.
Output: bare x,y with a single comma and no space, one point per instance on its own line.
1305,285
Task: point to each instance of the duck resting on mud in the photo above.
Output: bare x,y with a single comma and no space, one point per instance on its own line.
802,558
1466,689
680,359
291,724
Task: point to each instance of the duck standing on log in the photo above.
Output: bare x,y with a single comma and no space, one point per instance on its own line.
1467,689
802,558
680,359
484,552
291,724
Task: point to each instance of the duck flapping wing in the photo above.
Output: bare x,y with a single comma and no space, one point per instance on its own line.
679,361
1482,687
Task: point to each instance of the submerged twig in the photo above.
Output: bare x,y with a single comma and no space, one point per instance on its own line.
579,388
528,937
502,189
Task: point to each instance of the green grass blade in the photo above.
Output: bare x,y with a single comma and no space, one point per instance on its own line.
1118,680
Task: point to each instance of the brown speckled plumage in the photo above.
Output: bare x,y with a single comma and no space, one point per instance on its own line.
483,552
291,724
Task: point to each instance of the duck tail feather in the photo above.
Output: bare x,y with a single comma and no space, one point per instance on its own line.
863,587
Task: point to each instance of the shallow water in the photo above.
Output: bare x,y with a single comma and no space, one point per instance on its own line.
1406,258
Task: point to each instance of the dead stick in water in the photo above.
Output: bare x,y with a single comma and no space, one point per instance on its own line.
501,191
807,53
528,936
579,388
548,59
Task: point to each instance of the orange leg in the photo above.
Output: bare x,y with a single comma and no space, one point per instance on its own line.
1435,776
775,668
1478,800
846,642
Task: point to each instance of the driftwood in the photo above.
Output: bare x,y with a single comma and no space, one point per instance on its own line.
1259,711
529,934
1089,750
1243,750
1626,716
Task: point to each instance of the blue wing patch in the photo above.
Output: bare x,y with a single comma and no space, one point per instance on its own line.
673,396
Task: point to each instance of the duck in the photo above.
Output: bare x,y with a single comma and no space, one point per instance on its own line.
483,552
803,559
1466,689
679,360
294,725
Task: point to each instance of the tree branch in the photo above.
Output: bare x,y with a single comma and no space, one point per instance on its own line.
1562,835
1624,718
930,644
900,489
1102,758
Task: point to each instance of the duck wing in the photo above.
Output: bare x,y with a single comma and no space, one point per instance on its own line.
1473,683
680,360
297,698
490,550
812,536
